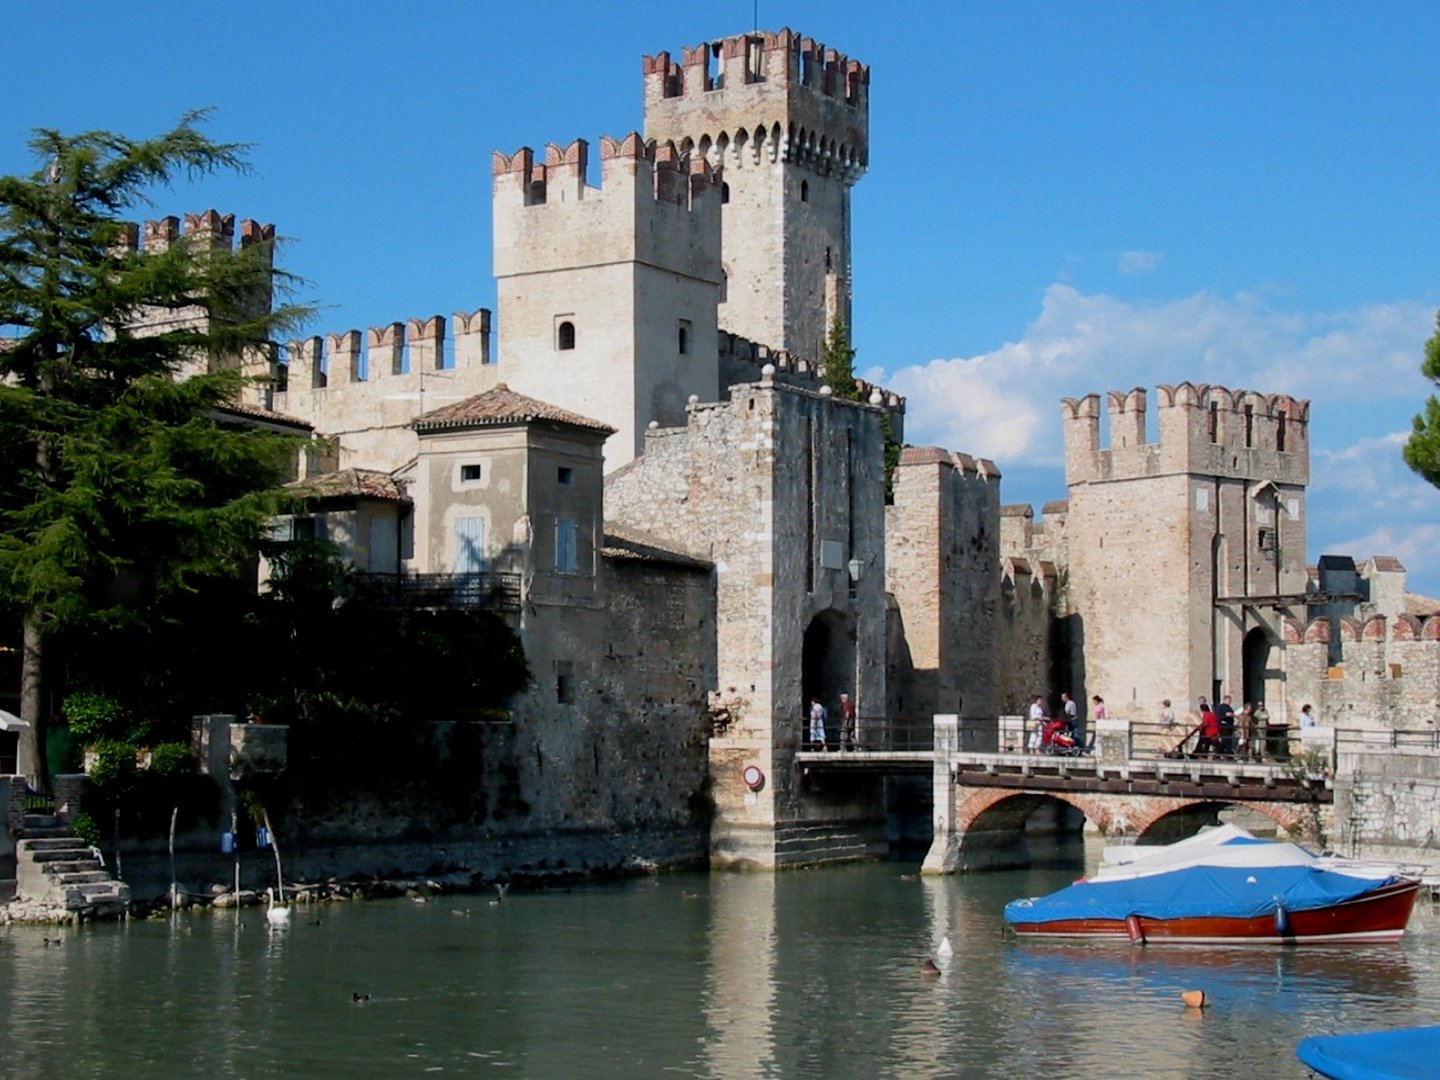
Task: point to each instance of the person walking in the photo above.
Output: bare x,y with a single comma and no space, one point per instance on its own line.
1307,717
1225,713
847,721
1262,731
817,724
1037,724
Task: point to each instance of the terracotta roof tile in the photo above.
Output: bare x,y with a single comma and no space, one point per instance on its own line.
1387,564
239,408
352,483
632,544
499,407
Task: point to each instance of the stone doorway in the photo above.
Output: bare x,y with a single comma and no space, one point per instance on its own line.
828,664
1258,651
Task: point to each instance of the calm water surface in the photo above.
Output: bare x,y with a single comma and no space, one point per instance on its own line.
802,974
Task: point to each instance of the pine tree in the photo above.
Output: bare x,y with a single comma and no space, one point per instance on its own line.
122,484
1422,451
838,358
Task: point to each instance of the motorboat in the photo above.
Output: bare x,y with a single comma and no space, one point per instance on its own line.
1224,886
1373,1055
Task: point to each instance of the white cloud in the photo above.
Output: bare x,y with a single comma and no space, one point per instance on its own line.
1139,262
1359,368
1005,403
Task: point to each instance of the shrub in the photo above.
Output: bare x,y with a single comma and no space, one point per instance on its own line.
171,759
93,716
85,827
114,767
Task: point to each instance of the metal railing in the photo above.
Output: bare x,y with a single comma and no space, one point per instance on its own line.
1358,739
883,734
489,591
1267,742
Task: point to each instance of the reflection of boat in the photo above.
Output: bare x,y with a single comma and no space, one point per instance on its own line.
1225,886
1375,1055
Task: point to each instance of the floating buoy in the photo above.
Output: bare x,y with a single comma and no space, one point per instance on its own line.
1134,929
929,968
1194,999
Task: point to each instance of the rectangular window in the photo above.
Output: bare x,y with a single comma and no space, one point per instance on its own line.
564,682
469,545
565,475
1249,425
469,472
567,546
682,343
1280,433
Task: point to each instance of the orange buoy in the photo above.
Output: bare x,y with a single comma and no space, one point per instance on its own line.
1194,999
1134,929
929,967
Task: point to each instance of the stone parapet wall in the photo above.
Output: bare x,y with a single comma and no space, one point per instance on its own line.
1378,675
1387,805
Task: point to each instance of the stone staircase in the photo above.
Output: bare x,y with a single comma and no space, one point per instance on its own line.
61,872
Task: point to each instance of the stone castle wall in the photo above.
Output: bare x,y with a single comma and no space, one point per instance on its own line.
942,549
1380,675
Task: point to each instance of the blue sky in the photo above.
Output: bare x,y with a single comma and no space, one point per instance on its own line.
1062,198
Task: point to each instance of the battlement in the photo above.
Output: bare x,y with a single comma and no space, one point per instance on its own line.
660,168
1202,429
762,96
1364,672
207,230
316,363
782,58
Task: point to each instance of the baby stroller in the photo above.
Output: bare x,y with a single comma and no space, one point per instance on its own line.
1059,738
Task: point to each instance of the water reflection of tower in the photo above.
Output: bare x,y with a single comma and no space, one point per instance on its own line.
740,995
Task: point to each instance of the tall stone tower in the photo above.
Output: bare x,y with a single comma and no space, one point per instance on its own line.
608,294
1185,554
785,122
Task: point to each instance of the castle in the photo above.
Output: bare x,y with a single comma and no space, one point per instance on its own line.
702,536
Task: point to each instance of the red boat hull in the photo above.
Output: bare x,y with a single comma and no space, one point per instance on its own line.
1376,916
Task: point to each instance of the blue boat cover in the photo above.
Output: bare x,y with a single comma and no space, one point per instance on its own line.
1217,891
1376,1055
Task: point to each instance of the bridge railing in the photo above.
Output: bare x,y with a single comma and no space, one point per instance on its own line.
884,734
1270,742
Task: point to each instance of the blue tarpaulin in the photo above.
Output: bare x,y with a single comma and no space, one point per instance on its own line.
1196,891
1376,1055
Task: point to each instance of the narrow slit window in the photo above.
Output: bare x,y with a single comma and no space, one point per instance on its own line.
565,336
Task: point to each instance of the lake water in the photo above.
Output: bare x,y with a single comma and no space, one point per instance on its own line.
802,974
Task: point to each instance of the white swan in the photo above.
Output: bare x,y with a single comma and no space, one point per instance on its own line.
275,916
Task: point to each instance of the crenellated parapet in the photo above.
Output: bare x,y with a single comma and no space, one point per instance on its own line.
390,351
654,205
207,230
1201,429
628,164
1375,672
763,97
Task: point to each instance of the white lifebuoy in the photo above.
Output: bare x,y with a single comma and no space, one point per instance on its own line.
754,778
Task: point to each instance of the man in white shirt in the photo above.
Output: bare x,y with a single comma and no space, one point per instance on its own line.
1037,724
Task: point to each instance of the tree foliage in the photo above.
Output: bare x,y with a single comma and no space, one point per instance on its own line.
838,359
1422,451
121,485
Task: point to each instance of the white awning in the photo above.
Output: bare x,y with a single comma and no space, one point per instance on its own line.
10,722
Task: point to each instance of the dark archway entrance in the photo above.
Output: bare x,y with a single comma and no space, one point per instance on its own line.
1257,651
828,662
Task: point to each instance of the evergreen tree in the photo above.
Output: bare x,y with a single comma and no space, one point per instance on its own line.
1422,451
838,358
122,485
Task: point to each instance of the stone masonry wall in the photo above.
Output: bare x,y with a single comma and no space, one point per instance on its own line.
1385,675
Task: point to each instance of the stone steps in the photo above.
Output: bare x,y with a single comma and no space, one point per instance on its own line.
62,875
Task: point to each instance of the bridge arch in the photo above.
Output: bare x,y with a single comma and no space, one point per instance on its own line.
989,823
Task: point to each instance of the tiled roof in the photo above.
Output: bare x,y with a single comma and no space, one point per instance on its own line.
1055,506
1388,564
241,409
502,406
352,483
1421,606
631,544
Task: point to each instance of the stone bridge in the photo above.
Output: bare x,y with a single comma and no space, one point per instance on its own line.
982,799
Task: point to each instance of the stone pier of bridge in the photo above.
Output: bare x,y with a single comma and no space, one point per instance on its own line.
982,799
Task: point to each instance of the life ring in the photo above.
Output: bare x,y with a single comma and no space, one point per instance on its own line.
753,776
